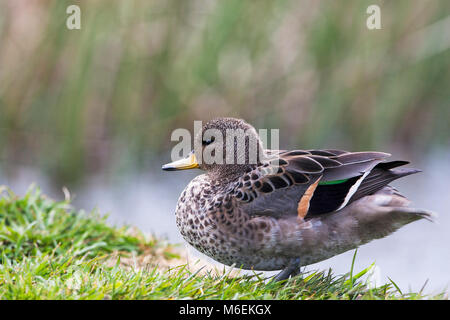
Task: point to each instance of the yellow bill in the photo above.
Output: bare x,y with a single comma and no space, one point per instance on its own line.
190,162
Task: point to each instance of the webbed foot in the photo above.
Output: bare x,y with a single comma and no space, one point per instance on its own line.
291,270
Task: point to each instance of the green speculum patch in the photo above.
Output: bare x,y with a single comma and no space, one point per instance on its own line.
332,182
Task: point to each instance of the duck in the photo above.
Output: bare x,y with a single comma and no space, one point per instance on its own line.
285,209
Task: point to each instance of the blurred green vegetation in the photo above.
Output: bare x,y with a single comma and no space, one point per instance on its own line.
74,102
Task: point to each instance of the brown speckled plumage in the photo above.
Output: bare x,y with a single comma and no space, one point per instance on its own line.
246,214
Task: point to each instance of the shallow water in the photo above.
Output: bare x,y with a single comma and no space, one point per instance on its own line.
416,253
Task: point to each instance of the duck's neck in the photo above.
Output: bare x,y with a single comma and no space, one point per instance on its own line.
230,171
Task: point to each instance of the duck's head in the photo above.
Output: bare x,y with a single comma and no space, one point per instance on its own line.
224,147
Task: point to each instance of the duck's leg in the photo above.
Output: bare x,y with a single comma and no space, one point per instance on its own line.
292,269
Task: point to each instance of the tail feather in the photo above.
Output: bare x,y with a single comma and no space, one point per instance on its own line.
383,174
386,211
372,217
420,213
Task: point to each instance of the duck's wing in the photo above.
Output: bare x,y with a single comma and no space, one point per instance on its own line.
298,182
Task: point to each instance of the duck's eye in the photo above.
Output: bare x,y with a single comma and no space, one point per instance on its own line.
208,141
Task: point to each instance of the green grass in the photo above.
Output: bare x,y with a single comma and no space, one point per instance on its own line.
51,251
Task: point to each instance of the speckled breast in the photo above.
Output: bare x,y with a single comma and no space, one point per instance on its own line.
210,219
